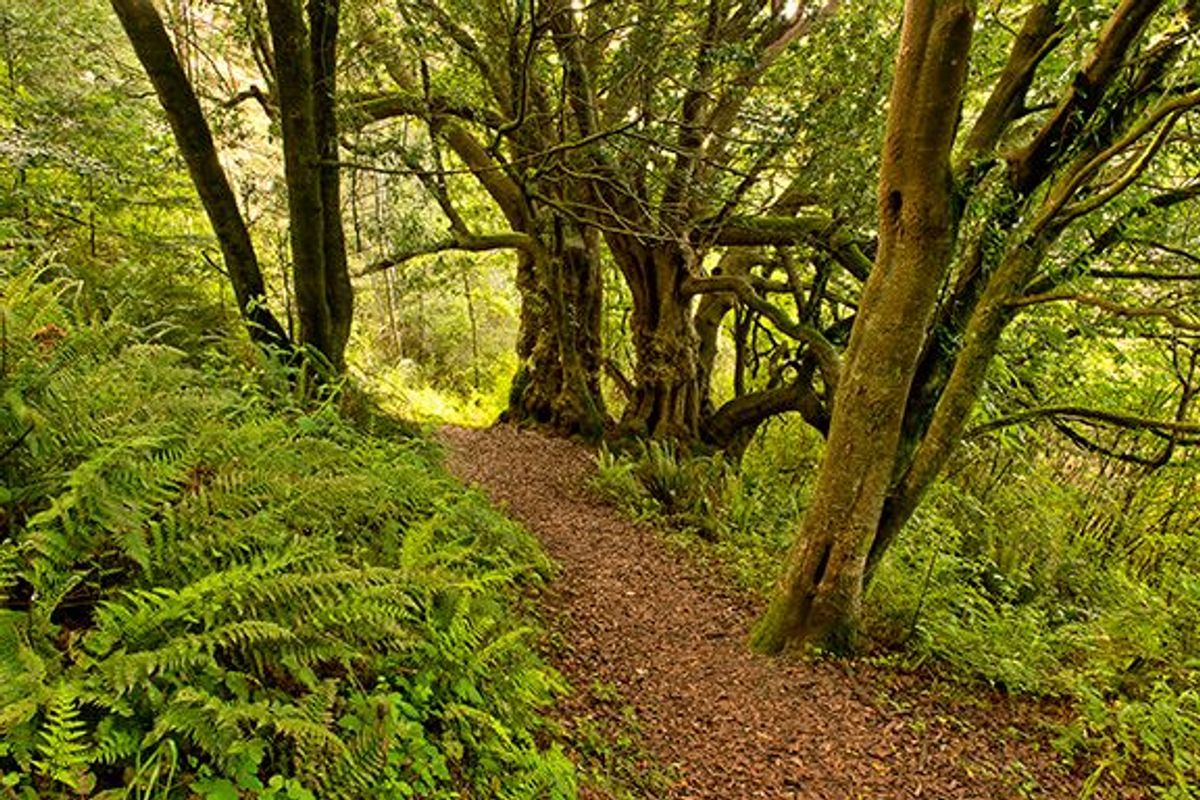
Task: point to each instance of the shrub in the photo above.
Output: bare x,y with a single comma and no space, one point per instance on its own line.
746,513
690,493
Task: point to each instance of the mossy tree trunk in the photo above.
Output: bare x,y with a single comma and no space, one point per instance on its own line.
666,397
558,378
904,398
819,597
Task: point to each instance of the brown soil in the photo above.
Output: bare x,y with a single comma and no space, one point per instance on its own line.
670,638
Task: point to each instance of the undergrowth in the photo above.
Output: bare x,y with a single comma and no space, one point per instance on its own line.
607,744
1015,577
214,589
406,393
743,514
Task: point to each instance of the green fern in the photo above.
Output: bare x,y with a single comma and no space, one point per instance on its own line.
204,578
63,750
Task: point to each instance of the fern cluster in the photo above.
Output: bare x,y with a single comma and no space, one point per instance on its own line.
212,589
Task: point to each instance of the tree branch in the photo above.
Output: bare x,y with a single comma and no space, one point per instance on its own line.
1057,209
750,410
1169,315
1031,165
1084,443
823,350
815,227
256,94
380,107
1038,37
1088,415
470,243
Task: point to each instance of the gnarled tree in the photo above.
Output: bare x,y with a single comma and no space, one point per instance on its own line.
501,142
641,134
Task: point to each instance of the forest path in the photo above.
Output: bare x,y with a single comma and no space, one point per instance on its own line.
670,639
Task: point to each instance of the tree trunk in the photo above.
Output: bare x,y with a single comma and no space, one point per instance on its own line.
324,17
819,597
154,50
558,380
665,403
980,340
318,244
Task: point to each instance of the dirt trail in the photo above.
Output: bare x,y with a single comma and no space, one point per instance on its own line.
671,639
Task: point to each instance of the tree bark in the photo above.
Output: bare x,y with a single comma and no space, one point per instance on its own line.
956,399
324,17
158,57
558,380
1088,88
819,597
666,398
318,245
1038,36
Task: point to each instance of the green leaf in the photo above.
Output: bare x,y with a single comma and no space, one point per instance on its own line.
215,789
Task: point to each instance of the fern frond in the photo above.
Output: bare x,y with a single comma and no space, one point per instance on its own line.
63,750
117,739
190,653
221,728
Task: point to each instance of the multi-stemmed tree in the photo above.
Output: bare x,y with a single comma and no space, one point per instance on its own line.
645,135
302,55
977,223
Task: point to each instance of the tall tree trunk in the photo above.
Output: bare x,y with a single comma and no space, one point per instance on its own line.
819,597
324,17
158,57
964,384
318,243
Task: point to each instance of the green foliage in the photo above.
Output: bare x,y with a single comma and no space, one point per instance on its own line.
1159,733
746,513
436,341
1013,575
690,493
1036,582
92,178
212,589
409,394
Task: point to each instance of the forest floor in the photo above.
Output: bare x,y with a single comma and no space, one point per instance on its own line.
638,626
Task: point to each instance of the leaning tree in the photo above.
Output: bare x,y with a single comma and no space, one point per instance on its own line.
1076,138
